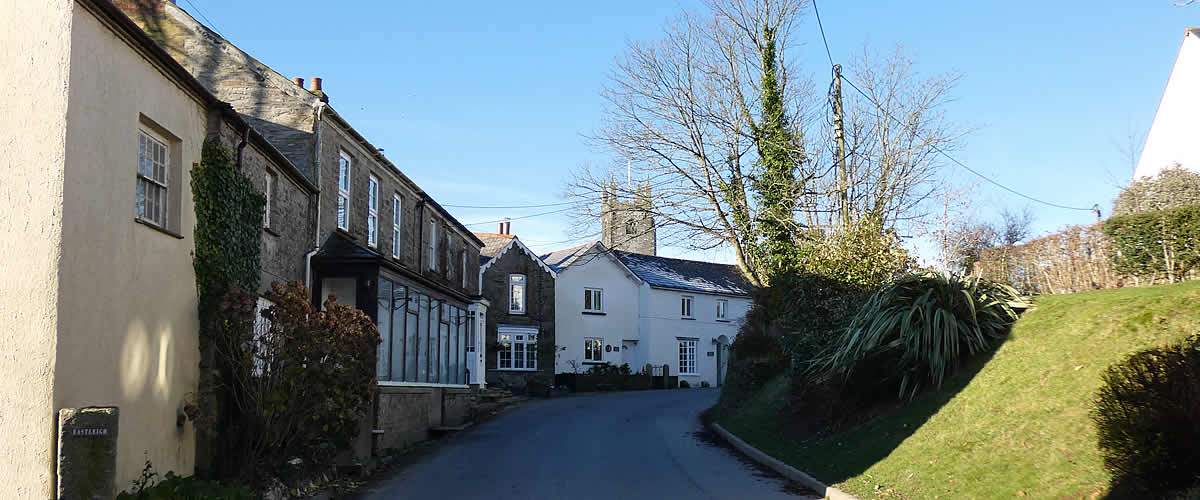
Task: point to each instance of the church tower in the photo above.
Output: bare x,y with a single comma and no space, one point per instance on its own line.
628,224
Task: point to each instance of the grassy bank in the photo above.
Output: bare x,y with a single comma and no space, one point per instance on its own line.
1013,424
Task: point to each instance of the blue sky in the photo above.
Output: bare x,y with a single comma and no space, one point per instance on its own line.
488,103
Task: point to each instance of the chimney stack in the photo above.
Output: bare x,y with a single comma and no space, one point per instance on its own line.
298,81
507,226
316,84
499,228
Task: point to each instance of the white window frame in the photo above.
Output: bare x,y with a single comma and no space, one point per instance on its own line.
373,211
269,193
509,338
722,309
397,220
463,258
523,283
593,300
433,244
593,349
151,181
345,170
687,356
686,305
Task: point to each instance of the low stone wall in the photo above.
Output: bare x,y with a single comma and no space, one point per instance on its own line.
406,414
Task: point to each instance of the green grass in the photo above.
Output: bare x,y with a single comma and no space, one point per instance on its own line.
1010,425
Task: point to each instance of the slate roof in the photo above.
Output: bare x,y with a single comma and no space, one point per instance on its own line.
492,243
686,275
338,246
560,259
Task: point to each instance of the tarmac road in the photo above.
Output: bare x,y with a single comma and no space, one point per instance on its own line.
626,445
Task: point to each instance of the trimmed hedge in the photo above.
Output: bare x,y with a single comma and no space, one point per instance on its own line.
1147,417
1156,243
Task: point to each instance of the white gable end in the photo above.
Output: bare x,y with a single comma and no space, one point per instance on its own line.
1174,136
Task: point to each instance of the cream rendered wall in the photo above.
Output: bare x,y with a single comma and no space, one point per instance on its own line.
35,54
1173,134
571,326
663,317
127,331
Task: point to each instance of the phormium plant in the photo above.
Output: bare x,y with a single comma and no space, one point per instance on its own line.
920,329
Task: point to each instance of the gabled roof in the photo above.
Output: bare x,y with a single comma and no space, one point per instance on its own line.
560,259
496,245
493,243
686,275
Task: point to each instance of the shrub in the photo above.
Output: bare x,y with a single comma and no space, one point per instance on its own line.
1147,416
1164,242
301,384
173,487
920,329
704,384
683,384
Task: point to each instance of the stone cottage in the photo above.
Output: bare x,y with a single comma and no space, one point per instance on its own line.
520,335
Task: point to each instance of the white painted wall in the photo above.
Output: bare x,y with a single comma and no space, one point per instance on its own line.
596,269
127,318
665,325
1173,135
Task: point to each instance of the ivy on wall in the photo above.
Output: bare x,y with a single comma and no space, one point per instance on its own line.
229,212
228,233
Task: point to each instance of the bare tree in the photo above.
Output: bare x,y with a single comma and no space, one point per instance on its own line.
681,114
1014,226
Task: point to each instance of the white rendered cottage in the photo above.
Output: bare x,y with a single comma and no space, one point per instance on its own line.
619,307
1172,136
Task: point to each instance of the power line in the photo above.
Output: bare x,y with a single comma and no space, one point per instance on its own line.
964,165
211,24
1094,208
519,218
512,206
822,28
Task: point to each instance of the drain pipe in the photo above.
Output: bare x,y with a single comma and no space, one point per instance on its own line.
317,211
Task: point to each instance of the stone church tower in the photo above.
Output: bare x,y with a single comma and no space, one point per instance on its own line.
628,224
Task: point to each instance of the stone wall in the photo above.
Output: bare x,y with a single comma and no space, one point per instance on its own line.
336,139
406,414
291,233
539,312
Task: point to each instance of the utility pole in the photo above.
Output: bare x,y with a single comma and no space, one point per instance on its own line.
839,134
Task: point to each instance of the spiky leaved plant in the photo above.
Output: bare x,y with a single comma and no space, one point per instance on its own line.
925,326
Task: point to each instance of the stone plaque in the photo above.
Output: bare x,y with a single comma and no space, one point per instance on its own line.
87,452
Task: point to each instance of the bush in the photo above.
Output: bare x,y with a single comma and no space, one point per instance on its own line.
173,487
920,329
1164,242
683,384
301,383
1147,416
704,384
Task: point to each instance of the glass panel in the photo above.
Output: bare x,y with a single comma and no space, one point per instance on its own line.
466,367
453,353
383,320
598,299
398,331
587,299
517,296
444,352
141,198
411,336
341,211
423,322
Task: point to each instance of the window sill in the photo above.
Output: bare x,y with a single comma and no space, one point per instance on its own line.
722,320
595,362
511,313
270,231
689,319
687,374
595,313
158,228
